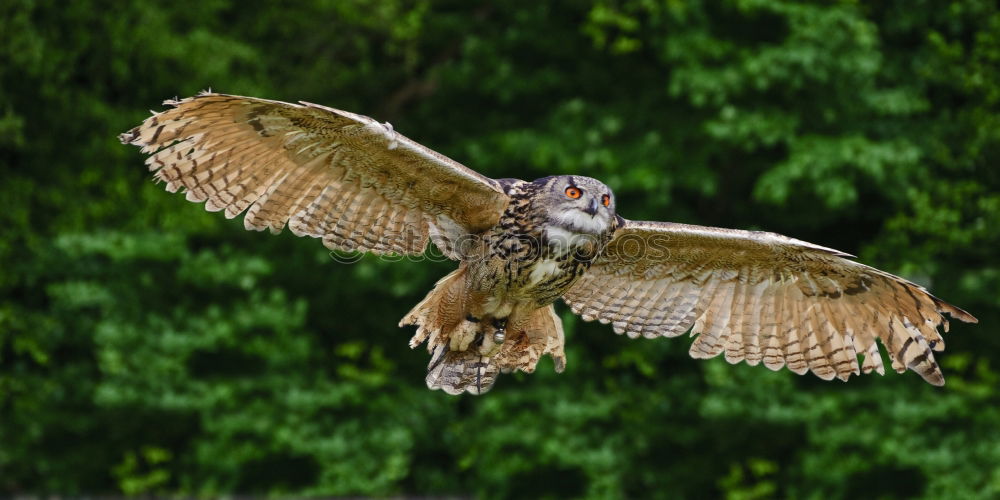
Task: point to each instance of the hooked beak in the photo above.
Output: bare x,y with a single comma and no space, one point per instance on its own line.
592,208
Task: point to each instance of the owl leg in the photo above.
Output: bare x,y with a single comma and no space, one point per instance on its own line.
490,345
464,334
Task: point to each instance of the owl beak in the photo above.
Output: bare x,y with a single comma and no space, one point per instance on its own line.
592,208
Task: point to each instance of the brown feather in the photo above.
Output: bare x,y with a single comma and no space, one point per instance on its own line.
768,298
328,173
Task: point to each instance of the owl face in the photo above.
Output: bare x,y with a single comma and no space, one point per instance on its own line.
576,204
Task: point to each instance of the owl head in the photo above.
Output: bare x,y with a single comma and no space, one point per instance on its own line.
574,205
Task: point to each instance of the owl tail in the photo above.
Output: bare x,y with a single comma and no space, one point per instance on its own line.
474,368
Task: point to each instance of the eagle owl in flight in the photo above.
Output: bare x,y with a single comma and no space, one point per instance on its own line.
360,186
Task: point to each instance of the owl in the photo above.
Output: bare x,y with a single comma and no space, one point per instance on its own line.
358,185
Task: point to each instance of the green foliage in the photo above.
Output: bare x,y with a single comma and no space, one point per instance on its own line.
147,347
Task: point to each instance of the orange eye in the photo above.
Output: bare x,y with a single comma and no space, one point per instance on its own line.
606,200
573,192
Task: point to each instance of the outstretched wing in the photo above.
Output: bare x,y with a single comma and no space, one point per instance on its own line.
762,297
326,173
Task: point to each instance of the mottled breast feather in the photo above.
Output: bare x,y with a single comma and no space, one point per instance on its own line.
762,297
326,173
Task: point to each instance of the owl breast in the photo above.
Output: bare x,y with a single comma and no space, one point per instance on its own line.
544,270
529,260
547,278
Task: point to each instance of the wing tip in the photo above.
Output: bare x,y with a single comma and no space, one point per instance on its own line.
960,314
935,378
129,136
953,311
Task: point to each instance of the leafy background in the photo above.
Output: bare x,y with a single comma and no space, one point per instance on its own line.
148,347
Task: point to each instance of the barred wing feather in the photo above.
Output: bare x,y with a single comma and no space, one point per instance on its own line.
330,174
762,298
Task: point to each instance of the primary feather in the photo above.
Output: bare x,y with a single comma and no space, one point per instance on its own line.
760,296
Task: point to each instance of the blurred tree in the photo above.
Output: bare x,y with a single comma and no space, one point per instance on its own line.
149,347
